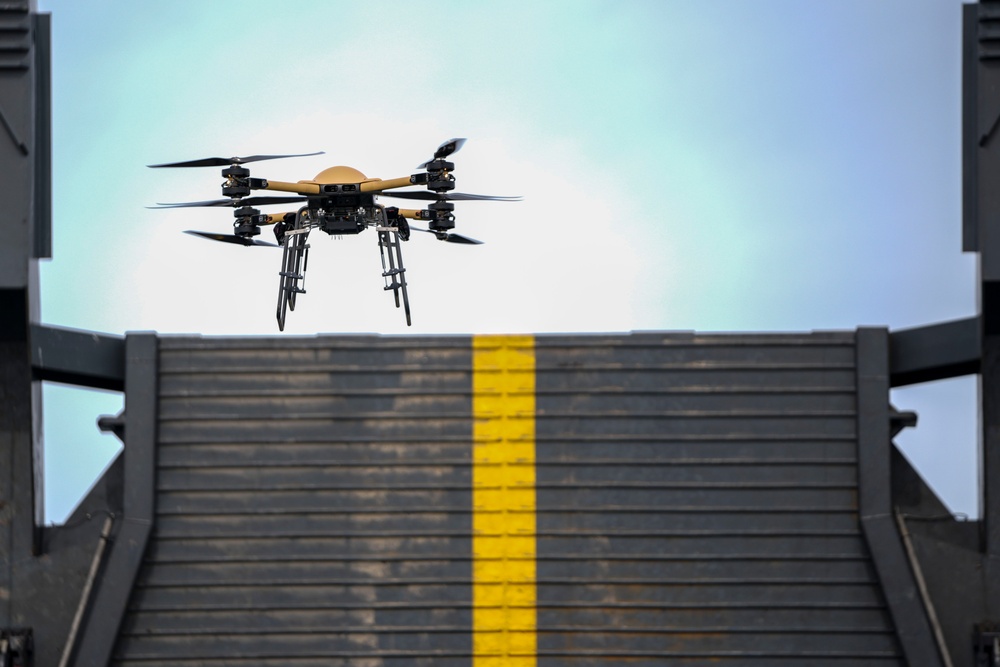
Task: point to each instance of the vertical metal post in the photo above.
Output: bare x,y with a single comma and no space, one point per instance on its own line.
16,462
981,134
99,633
989,390
23,134
878,522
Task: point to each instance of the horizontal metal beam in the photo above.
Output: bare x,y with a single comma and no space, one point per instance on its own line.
935,352
83,358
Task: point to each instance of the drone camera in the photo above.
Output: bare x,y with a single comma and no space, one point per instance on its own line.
336,189
340,222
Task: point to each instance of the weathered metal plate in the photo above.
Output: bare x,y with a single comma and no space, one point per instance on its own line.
693,498
697,502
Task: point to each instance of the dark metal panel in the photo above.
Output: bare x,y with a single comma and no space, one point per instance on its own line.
17,138
970,129
42,181
988,155
697,501
875,495
16,484
16,38
935,352
949,556
53,587
83,358
118,576
313,504
990,469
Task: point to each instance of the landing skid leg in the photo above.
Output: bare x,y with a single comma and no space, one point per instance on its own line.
301,260
291,281
392,270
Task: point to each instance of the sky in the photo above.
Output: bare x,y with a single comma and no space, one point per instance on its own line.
706,165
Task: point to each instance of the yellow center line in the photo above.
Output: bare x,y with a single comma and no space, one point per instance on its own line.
503,501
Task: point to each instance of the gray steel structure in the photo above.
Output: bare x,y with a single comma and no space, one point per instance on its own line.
302,501
727,497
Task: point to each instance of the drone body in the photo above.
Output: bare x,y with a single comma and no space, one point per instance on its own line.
338,201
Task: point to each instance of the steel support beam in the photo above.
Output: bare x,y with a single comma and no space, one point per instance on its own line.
934,352
899,583
23,41
18,525
981,119
83,358
100,630
989,390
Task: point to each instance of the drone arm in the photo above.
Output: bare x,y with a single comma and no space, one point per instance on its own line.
298,188
413,214
315,188
379,186
274,218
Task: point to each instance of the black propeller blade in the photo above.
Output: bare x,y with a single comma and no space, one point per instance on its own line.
444,150
246,201
447,196
449,238
230,238
226,161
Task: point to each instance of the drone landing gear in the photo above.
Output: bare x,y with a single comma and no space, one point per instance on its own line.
294,262
392,270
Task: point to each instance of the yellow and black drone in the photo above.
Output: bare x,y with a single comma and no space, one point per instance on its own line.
339,200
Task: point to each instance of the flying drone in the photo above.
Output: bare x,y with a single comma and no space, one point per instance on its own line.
338,201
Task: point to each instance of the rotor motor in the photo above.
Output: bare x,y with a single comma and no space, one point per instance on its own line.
439,175
248,221
237,182
440,179
442,218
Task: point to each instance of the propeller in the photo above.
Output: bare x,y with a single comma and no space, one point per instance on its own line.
230,238
449,237
246,201
448,196
444,150
226,161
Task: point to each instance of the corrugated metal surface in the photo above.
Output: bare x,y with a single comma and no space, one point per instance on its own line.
313,504
696,500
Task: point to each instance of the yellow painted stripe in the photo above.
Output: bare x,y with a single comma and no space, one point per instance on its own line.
503,500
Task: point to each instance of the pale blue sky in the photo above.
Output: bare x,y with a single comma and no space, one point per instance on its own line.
718,165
